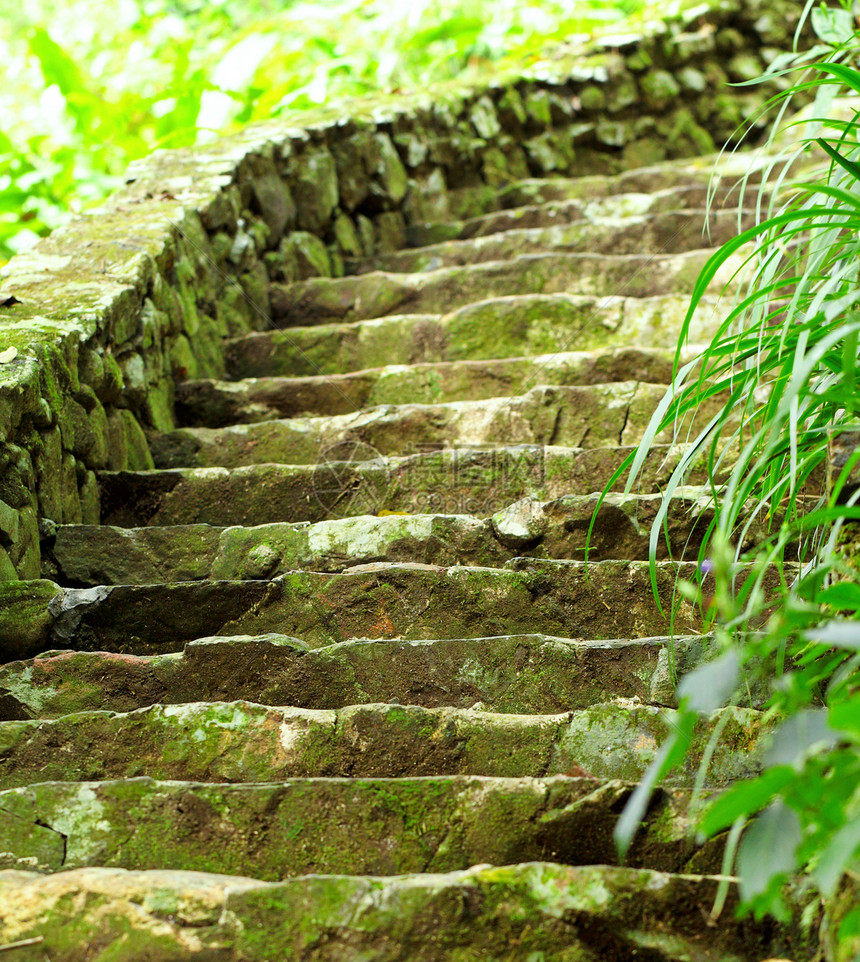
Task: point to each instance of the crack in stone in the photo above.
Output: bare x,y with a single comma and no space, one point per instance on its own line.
626,419
63,836
556,427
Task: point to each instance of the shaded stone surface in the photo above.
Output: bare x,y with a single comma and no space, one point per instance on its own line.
670,180
595,416
244,742
609,599
474,481
376,294
528,324
102,554
672,232
528,674
337,826
212,403
602,198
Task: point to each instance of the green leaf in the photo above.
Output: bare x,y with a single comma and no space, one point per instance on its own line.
768,849
849,927
711,685
851,78
844,595
836,857
746,798
844,716
833,25
843,161
57,66
841,633
800,733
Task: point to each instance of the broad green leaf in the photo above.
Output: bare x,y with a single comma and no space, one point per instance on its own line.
746,798
844,717
57,66
833,25
849,926
711,685
844,595
841,633
768,849
801,732
837,856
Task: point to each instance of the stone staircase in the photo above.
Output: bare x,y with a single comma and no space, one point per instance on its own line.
333,681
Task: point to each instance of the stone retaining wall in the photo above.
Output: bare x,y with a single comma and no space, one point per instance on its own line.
110,311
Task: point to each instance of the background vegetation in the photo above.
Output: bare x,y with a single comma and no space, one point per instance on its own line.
90,86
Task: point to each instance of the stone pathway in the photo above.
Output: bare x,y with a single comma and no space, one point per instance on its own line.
340,653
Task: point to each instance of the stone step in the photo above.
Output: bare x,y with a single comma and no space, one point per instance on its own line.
340,826
720,175
520,913
605,599
697,174
527,325
668,232
240,741
600,415
508,674
214,404
85,555
567,211
323,300
475,481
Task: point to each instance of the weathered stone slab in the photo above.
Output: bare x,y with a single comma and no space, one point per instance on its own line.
86,555
608,599
597,200
600,415
209,403
521,912
129,312
520,674
467,481
323,300
525,325
723,175
671,232
337,826
241,741
595,204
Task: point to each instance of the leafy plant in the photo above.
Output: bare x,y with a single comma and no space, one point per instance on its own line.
785,358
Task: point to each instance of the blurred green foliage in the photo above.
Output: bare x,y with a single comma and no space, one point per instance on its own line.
89,87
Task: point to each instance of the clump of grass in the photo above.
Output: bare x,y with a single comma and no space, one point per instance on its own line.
786,357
